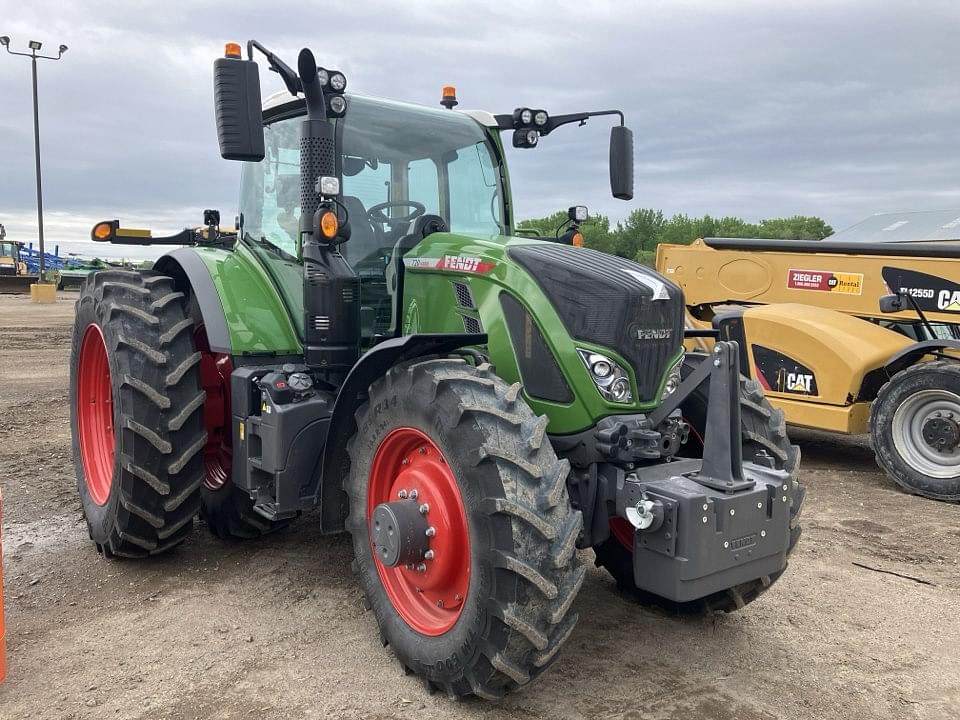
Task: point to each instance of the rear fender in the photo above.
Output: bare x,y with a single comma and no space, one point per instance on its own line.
242,308
189,272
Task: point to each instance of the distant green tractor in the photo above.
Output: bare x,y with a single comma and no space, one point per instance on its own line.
376,343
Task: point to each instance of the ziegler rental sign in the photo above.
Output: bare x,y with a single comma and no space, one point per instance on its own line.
825,281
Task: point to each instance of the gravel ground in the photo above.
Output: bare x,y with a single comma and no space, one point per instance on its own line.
276,628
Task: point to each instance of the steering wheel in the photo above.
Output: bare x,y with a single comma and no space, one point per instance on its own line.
376,215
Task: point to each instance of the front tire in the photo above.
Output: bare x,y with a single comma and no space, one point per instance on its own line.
914,429
491,606
763,432
135,403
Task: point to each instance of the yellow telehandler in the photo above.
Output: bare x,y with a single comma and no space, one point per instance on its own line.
850,335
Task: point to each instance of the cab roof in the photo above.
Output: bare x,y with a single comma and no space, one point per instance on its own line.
283,98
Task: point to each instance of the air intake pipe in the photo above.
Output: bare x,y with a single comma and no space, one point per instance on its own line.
331,290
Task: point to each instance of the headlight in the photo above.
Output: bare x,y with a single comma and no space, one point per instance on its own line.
611,379
338,81
673,380
526,116
323,77
540,118
532,137
338,104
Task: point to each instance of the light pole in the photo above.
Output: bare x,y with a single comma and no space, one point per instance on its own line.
34,47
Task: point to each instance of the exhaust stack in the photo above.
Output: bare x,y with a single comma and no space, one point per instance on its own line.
331,290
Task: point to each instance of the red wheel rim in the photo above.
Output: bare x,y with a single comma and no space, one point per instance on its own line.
215,370
95,414
429,601
623,531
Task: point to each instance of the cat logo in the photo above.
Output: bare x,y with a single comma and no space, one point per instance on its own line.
794,382
948,300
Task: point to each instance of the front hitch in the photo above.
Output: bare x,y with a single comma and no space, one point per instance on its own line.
705,525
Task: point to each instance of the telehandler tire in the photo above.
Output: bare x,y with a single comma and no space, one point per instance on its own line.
135,410
915,429
484,603
763,433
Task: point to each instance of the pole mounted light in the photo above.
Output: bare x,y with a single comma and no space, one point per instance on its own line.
35,46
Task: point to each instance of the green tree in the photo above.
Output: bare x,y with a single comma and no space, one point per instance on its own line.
637,236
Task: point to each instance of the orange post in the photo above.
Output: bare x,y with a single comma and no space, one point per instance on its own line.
3,630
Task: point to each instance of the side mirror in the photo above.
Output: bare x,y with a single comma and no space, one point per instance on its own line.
891,303
236,98
621,162
578,214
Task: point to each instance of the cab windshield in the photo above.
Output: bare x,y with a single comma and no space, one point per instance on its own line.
407,160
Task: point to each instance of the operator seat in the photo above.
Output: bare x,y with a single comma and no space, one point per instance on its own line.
364,240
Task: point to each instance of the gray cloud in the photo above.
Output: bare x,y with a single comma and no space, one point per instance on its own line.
839,109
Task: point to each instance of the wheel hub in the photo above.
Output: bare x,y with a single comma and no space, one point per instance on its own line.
926,433
418,531
942,433
399,532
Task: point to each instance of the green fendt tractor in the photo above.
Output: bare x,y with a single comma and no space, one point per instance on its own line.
374,342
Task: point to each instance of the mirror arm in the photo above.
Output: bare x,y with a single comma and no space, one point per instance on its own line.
920,313
286,73
505,121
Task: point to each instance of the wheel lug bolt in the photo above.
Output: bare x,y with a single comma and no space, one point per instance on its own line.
405,461
413,494
424,509
429,555
430,531
421,567
402,494
439,603
423,450
458,597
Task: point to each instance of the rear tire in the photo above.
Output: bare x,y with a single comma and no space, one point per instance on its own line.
522,573
135,403
899,418
763,430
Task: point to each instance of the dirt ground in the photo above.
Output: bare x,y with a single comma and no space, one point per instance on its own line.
277,629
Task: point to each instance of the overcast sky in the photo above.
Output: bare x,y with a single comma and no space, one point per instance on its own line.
759,109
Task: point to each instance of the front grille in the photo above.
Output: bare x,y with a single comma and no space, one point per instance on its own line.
611,302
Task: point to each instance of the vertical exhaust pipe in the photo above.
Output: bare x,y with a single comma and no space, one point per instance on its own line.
331,290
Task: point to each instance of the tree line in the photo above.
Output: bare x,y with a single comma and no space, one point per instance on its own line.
638,235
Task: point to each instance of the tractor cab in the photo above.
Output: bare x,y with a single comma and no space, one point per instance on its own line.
401,167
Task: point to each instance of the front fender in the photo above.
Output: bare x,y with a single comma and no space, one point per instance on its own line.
909,355
374,364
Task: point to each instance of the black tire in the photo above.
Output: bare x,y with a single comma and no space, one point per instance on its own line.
763,431
524,572
905,457
158,435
